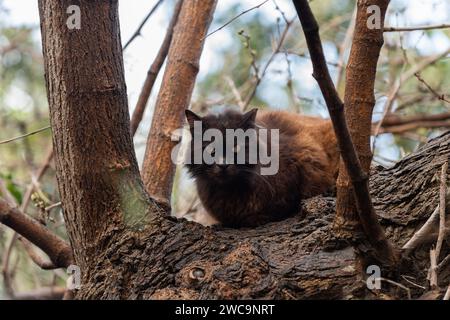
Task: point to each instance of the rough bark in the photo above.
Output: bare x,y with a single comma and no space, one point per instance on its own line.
97,173
297,258
359,101
175,95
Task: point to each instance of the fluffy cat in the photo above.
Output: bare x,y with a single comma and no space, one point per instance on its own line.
238,195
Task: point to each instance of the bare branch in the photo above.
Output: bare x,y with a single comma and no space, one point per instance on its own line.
442,206
422,235
25,135
236,17
416,28
57,249
399,124
343,49
402,79
153,72
36,257
359,179
447,294
436,94
139,29
51,293
259,77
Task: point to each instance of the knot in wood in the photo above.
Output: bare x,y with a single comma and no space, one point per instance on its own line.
197,273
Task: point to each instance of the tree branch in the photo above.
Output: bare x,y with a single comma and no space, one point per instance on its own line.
51,293
36,257
174,96
359,179
57,249
138,31
416,28
153,72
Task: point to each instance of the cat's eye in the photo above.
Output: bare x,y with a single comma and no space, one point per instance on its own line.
236,148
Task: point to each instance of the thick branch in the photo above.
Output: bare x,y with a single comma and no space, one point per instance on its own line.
153,72
398,124
359,179
175,95
51,293
98,176
57,249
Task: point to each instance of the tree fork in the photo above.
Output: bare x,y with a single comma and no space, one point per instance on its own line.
384,252
97,173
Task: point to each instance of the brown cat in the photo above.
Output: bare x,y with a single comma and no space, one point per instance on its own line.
237,194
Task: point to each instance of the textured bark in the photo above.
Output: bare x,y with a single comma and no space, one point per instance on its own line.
359,101
97,173
127,249
300,257
175,95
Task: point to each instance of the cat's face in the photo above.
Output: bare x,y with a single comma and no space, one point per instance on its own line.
230,160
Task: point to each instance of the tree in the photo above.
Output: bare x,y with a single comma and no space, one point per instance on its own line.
127,246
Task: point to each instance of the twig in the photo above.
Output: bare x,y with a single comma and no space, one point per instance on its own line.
368,218
447,294
435,252
153,72
236,17
266,66
423,233
53,206
408,291
436,94
402,79
412,283
25,135
433,272
138,31
442,195
51,293
343,49
235,92
443,263
416,28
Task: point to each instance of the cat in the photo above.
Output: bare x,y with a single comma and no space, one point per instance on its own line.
237,194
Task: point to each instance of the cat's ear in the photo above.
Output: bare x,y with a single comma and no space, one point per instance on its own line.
191,117
250,116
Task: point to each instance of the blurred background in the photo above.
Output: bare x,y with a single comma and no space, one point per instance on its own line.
263,51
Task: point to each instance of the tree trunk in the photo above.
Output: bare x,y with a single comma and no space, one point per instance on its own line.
128,248
98,176
175,95
299,258
359,101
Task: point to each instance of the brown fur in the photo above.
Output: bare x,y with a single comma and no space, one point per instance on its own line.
308,165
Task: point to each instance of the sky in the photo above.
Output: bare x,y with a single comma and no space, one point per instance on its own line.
140,54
